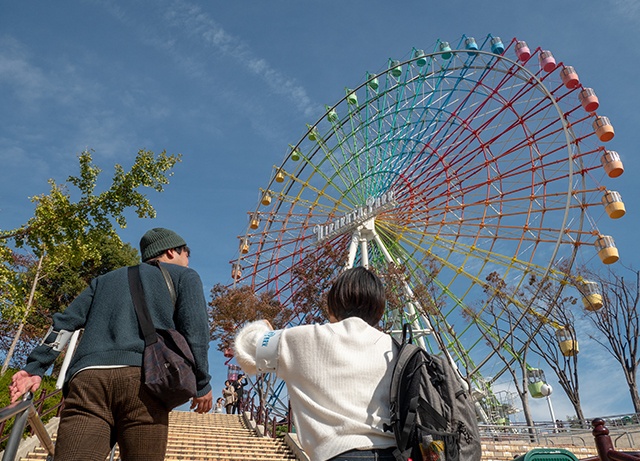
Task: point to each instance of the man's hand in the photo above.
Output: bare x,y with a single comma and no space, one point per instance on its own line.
21,383
202,404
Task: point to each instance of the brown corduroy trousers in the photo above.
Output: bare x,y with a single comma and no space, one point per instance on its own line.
105,406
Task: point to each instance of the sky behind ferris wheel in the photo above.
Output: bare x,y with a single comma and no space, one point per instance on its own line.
230,86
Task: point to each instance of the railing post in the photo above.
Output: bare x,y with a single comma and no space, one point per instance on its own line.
603,442
16,436
41,399
40,430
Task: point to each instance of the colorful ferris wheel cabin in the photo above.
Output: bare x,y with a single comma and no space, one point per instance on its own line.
607,250
422,60
470,45
589,100
537,385
295,153
352,98
522,51
266,198
244,246
332,115
496,45
396,68
603,128
254,222
569,77
547,61
236,271
373,81
446,50
279,176
591,297
612,164
567,342
313,134
613,204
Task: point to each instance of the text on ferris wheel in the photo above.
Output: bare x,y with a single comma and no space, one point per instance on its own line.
355,217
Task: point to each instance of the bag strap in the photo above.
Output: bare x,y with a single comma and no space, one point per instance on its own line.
168,280
140,304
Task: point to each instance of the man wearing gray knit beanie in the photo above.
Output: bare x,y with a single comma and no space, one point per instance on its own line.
156,241
105,400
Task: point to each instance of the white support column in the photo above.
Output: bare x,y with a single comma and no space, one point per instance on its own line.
364,252
353,248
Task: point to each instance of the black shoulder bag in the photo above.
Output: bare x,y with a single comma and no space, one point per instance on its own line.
168,366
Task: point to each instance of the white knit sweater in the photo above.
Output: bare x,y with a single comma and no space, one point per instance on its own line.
338,377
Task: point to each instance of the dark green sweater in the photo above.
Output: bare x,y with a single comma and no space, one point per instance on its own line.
111,332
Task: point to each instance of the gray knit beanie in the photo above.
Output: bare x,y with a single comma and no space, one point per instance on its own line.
158,240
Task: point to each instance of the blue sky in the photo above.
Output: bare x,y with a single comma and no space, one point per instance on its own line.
230,85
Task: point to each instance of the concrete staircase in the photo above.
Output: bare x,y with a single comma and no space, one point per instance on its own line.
221,437
211,437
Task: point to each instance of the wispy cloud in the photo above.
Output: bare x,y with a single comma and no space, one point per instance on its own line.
82,106
19,76
188,20
628,9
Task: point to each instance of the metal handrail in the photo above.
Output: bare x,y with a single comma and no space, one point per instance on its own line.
24,411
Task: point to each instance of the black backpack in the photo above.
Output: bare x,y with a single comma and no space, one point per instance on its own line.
432,416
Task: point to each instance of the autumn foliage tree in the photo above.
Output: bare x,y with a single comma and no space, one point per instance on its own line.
312,278
232,307
303,302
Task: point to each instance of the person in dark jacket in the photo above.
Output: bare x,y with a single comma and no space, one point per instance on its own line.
238,385
105,400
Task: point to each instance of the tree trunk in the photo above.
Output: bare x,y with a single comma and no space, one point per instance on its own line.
16,338
635,398
524,398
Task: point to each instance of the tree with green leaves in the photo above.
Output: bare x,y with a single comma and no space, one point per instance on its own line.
57,288
64,232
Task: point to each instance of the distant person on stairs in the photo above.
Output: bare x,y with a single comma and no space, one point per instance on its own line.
219,406
105,400
229,394
338,374
238,385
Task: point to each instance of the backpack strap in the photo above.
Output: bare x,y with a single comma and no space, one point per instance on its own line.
404,355
407,334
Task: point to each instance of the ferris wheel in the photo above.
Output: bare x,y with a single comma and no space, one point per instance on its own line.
474,158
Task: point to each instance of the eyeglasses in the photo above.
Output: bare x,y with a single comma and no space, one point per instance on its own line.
185,248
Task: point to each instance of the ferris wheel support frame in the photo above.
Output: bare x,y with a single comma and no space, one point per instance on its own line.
362,235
